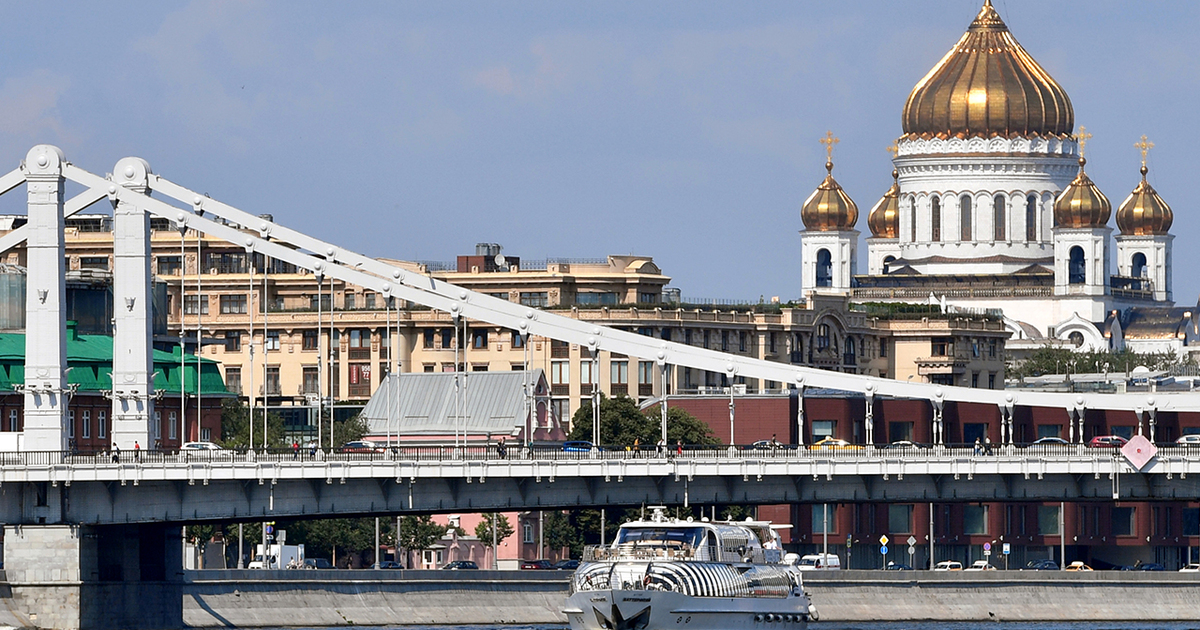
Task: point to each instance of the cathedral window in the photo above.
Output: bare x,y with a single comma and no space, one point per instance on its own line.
1137,266
912,211
935,219
1031,218
1076,268
887,261
824,268
964,214
998,217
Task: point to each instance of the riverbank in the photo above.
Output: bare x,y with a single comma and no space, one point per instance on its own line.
336,598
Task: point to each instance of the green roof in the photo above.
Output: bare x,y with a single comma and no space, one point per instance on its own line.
90,358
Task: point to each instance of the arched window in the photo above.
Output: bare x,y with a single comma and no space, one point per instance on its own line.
998,217
822,336
1076,268
964,218
824,268
1031,218
1076,338
912,211
849,359
887,260
935,219
1137,266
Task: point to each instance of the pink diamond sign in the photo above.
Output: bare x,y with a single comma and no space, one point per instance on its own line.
1139,451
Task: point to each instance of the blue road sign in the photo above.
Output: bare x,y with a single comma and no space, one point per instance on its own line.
883,549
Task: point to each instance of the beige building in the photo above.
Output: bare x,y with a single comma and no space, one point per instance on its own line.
224,292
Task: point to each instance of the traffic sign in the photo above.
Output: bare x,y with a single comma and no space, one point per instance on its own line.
911,541
883,540
847,541
270,530
912,550
987,546
883,550
987,552
1007,548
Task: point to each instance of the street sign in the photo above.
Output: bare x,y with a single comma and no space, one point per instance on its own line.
912,550
987,552
911,541
883,550
270,530
847,541
987,546
1006,548
883,540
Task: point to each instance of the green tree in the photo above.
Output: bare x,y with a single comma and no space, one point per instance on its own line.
336,537
418,533
235,427
621,423
504,529
350,429
1051,360
559,533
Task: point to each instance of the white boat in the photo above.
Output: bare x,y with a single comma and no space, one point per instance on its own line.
668,573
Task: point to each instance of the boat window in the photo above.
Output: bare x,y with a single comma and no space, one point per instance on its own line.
653,536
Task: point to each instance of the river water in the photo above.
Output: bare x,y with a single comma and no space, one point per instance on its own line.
872,625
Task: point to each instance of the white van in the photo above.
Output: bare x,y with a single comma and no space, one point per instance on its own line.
820,562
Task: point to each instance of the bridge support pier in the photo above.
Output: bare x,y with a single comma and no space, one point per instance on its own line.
95,578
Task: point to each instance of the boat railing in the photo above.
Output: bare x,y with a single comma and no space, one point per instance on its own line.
598,553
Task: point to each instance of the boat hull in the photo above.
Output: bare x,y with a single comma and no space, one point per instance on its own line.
658,610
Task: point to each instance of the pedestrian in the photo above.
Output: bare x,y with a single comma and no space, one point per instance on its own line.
661,446
987,445
978,447
137,452
678,447
637,445
501,448
775,441
295,450
116,454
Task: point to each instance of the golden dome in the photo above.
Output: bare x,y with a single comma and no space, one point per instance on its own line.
1081,205
829,208
1143,212
884,218
987,86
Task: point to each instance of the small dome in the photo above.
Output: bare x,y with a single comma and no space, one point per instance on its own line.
1143,212
829,208
1081,205
987,86
884,218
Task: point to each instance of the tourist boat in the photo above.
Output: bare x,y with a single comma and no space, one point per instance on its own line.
669,573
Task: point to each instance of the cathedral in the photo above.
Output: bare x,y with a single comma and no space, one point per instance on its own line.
991,209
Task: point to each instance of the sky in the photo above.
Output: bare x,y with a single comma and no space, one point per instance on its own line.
685,131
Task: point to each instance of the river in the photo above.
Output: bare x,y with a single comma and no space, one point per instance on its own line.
871,625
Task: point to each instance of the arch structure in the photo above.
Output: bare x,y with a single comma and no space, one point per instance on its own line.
129,188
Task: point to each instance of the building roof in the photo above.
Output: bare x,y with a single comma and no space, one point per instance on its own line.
1156,322
428,403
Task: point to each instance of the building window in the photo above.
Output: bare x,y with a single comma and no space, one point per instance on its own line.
883,348
427,338
560,377
192,303
233,304
619,376
156,426
1122,521
822,429
272,388
369,298
991,381
233,379
233,341
272,340
527,533
824,268
912,222
935,219
311,339
706,340
173,428
1191,521
479,338
819,524
518,340
585,374
646,297
593,298
205,434
102,424
724,341
360,380
822,336
71,423
448,335
312,380
349,301
666,334
645,378
942,346
13,416
687,336
87,423
975,519
93,262
964,218
1031,231
1137,266
771,341
741,341
499,296
998,231
323,303
898,431
169,265
535,298
562,409
900,520
1049,430
1076,267
1047,516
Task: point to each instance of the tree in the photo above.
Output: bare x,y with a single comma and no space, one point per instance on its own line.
504,529
337,536
235,427
559,533
1051,360
418,533
350,429
621,423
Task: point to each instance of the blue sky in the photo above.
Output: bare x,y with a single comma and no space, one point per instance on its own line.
686,131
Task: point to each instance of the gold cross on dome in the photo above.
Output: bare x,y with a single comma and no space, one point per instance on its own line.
1082,137
1145,146
829,141
892,149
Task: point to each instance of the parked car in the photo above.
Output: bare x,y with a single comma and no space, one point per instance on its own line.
1145,566
388,564
460,565
1049,441
579,446
538,565
1107,441
904,445
566,565
317,563
896,566
980,565
831,442
199,446
360,446
1193,567
1189,440
948,565
768,445
1041,565
1078,565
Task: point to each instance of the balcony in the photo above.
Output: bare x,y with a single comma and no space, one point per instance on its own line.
359,354
645,389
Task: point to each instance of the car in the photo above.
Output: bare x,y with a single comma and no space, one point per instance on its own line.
980,565
579,446
835,443
317,563
199,446
1107,441
1041,565
460,565
948,565
767,445
388,564
536,565
1193,567
904,445
1146,566
1189,440
1049,442
896,566
360,446
1078,565
566,565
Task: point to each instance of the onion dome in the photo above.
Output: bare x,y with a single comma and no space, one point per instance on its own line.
829,208
1143,211
884,218
1081,205
987,86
